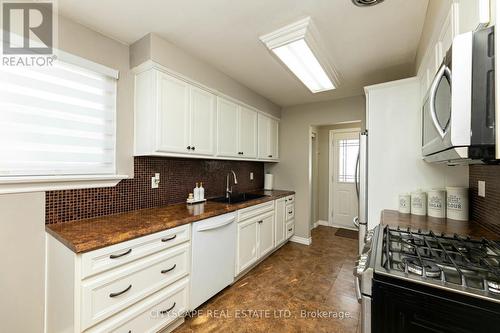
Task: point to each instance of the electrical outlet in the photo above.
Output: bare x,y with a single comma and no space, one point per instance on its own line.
481,188
251,175
155,181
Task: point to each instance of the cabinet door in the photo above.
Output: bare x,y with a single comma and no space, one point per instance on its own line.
173,114
273,139
264,125
246,246
279,222
247,133
266,234
227,128
202,104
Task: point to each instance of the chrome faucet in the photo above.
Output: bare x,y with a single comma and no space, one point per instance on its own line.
229,189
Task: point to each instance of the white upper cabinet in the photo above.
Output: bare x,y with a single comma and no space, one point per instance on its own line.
268,137
247,126
174,117
202,131
227,128
173,114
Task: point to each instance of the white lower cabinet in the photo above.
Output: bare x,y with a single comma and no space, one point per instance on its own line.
255,237
279,221
247,242
119,292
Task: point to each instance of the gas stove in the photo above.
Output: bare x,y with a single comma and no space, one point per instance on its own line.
455,263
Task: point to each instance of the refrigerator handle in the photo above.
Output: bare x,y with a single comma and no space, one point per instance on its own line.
363,177
356,176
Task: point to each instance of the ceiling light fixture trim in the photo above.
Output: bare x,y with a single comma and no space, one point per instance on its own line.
298,46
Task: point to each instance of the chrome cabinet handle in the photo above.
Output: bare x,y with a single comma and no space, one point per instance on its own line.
168,239
115,256
358,290
120,292
168,310
168,270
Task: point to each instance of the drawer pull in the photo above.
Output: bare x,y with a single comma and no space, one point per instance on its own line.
290,229
115,256
168,310
168,239
120,292
260,221
168,270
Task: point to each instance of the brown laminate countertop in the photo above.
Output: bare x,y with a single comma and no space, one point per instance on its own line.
463,228
92,234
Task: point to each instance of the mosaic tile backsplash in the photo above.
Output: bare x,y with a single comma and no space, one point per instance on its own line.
177,178
485,211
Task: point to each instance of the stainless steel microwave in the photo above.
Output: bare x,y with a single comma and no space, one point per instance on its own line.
458,115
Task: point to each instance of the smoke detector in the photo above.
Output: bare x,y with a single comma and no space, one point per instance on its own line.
366,3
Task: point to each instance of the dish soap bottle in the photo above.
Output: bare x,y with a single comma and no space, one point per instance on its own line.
196,193
202,191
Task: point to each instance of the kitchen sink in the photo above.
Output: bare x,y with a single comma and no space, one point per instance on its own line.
238,198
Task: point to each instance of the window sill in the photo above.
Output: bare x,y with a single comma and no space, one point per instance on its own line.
52,183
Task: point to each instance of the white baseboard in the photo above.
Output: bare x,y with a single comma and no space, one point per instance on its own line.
301,240
343,227
315,225
323,223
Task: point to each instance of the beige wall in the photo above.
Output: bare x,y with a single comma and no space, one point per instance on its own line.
293,170
81,41
152,47
436,14
22,244
323,165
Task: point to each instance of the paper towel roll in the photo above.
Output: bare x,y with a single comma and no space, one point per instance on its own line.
268,181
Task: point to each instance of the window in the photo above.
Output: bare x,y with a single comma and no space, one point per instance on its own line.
348,155
57,120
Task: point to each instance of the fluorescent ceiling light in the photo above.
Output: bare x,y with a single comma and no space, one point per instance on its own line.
297,46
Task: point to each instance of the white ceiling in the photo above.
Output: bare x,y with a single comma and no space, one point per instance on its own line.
366,45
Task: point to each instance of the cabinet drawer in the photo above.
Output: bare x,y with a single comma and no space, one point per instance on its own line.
249,212
290,199
150,315
113,256
106,294
290,229
290,212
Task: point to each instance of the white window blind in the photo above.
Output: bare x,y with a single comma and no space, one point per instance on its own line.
57,120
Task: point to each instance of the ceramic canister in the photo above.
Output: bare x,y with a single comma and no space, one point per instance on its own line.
418,203
405,203
436,203
457,203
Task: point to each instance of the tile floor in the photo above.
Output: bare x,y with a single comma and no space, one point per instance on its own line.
297,289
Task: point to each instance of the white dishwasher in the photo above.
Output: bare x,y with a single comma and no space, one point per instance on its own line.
213,257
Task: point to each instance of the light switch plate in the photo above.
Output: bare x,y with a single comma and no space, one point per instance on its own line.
155,181
251,175
481,188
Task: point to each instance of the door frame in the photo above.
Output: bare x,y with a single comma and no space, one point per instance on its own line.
331,171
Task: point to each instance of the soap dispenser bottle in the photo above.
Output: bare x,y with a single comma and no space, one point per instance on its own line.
202,191
196,193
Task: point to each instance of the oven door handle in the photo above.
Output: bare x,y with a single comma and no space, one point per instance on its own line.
443,71
358,288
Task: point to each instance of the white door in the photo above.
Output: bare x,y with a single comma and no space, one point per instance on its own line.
279,221
247,133
344,203
202,104
264,124
173,115
227,128
246,244
266,234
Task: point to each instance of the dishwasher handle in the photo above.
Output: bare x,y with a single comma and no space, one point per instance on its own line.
216,225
